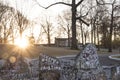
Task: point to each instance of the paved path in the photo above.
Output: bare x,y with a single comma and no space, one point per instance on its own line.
103,58
106,61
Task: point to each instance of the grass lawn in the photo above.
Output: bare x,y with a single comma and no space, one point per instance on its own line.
58,51
7,50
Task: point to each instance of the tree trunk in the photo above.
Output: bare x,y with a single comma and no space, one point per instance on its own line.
48,40
68,38
94,32
111,30
115,34
5,35
48,35
85,35
74,40
82,33
98,39
91,32
20,33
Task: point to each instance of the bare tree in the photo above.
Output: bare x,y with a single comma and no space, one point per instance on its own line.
22,22
47,28
20,17
114,7
100,11
64,23
74,6
11,19
86,34
6,19
83,14
81,28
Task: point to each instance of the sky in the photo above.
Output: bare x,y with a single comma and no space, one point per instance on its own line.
32,10
35,13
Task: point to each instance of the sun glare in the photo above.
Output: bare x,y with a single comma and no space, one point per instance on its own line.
21,42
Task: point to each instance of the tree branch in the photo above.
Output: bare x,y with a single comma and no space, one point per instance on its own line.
117,7
38,4
103,3
53,4
87,12
58,3
99,3
82,20
79,3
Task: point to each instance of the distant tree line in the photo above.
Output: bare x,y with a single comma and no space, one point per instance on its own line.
103,21
12,23
97,22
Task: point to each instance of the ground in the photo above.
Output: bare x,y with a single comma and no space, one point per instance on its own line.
7,50
34,51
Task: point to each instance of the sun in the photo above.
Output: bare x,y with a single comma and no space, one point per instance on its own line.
22,42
